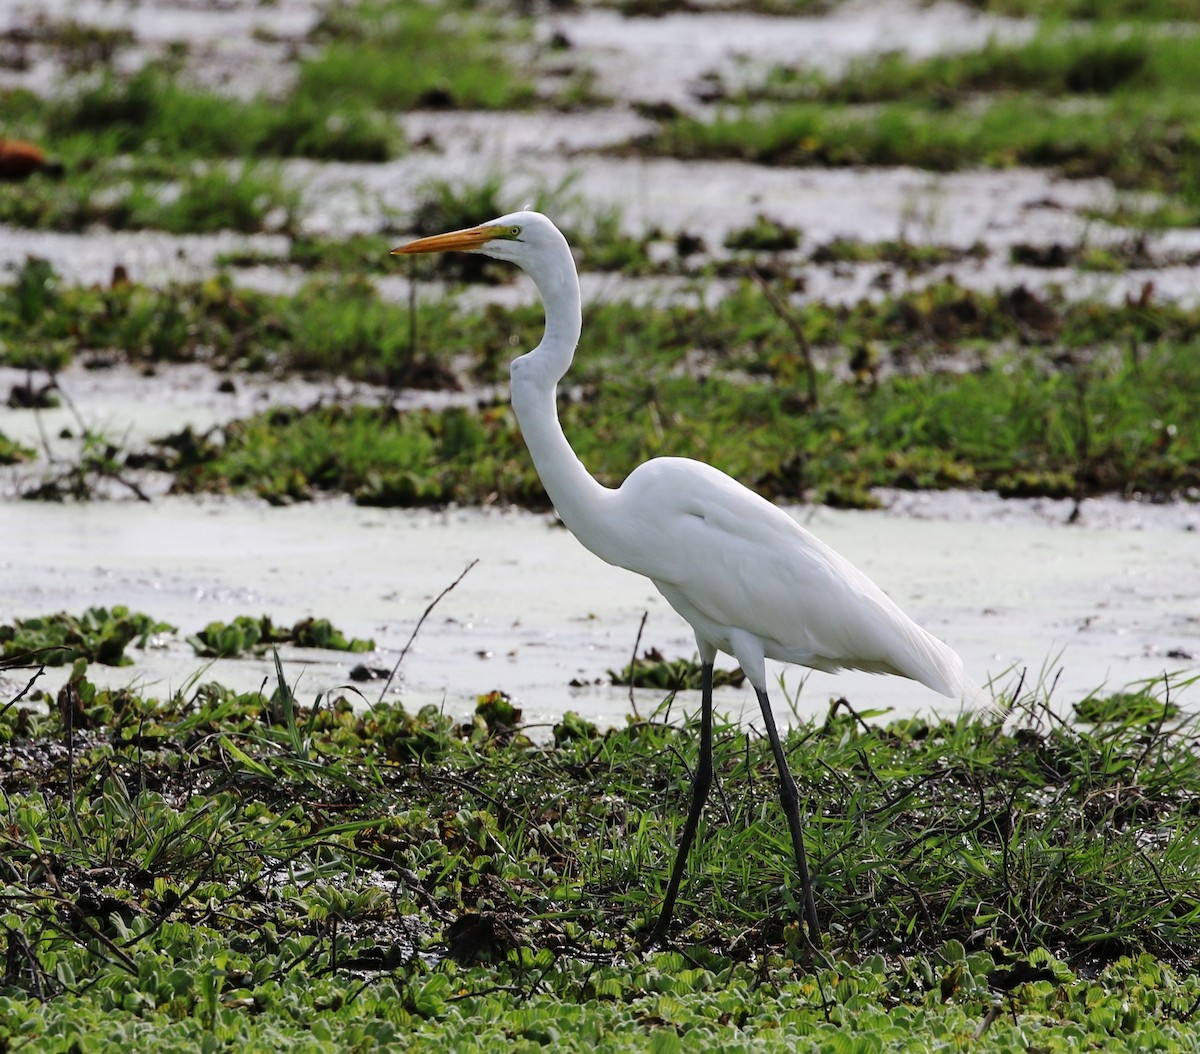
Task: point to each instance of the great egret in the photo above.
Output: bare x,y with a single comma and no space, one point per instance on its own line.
749,580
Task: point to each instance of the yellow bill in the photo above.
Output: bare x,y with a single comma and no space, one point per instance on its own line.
464,240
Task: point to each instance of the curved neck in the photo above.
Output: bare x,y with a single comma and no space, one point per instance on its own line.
579,499
558,285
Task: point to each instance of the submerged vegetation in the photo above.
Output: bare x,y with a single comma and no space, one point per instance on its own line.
280,877
101,635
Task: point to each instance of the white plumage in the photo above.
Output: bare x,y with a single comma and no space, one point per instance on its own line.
749,580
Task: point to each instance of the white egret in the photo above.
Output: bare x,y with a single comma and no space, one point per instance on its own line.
747,577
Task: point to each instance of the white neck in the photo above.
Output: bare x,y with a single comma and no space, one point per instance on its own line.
580,500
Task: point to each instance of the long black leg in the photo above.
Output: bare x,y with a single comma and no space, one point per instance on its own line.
790,798
701,783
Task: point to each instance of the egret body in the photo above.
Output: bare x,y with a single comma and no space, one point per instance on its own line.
749,580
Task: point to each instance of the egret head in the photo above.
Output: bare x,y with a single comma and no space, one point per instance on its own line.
518,237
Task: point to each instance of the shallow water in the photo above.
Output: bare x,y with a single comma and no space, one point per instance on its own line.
663,59
709,199
1007,584
241,48
548,155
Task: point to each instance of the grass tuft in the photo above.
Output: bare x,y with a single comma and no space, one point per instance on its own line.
225,860
1101,102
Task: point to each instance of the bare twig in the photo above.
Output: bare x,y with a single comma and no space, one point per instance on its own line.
1083,444
793,323
633,664
23,692
417,628
87,435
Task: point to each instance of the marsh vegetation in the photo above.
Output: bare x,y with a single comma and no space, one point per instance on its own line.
239,865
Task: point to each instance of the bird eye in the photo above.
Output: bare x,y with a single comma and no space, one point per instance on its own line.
514,232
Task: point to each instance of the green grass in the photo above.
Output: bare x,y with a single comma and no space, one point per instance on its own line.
331,327
339,325
1096,10
372,59
148,150
1017,426
1100,103
153,114
1054,63
912,257
400,56
1143,143
188,199
278,877
1014,415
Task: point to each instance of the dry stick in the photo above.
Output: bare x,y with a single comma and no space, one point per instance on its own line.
420,621
23,692
87,433
1083,444
41,427
793,323
633,665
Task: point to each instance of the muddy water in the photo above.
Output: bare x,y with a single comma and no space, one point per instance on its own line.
241,47
1007,585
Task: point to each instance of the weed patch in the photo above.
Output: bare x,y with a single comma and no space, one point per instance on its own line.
80,46
1102,103
1084,398
911,257
12,452
245,864
245,634
180,199
653,670
1018,426
406,56
330,327
99,635
1102,11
